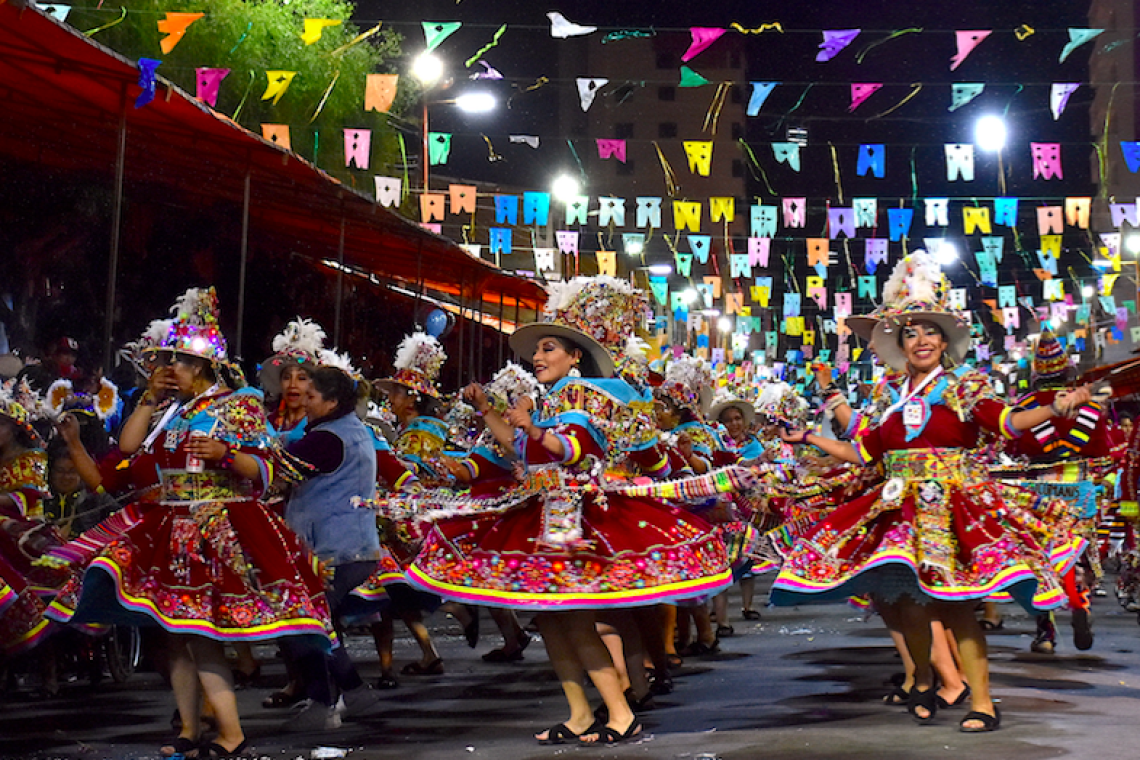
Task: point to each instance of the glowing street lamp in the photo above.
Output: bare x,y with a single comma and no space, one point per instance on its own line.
565,188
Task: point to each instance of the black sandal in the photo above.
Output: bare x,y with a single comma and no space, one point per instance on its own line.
433,668
924,699
899,697
215,751
961,700
610,737
387,682
989,625
560,734
989,722
182,748
750,614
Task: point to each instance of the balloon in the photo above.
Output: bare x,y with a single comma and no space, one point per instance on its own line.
437,323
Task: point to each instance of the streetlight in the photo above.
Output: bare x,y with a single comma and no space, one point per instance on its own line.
428,69
565,188
990,134
660,269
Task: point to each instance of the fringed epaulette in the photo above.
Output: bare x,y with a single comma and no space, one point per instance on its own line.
964,389
241,420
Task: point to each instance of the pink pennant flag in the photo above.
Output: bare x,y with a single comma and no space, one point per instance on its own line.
758,250
967,41
834,40
860,92
795,212
567,240
612,149
1046,160
209,81
357,147
702,38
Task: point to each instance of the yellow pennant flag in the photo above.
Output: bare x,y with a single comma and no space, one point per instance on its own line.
607,263
700,156
279,82
722,208
687,215
1051,244
174,26
315,27
1107,283
976,218
380,91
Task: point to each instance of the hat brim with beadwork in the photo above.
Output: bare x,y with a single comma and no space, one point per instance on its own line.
885,336
412,379
863,325
745,407
18,416
269,375
525,340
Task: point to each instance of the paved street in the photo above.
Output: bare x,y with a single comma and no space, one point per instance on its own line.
801,683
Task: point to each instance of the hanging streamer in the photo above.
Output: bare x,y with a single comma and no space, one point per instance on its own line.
888,38
628,34
494,41
241,39
670,176
914,90
325,97
771,26
241,103
754,165
354,41
98,29
713,114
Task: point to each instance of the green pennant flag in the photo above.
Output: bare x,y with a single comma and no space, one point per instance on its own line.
690,78
436,32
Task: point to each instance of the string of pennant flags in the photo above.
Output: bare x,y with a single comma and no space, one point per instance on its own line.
796,318
776,234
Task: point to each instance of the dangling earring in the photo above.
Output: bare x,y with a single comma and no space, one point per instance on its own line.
574,371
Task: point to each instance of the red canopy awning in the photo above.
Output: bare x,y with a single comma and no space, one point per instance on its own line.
65,98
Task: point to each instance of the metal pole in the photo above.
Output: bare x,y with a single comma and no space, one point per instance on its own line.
517,321
425,156
460,327
339,284
499,360
116,231
244,259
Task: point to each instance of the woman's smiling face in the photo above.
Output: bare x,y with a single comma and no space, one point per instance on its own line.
552,360
923,344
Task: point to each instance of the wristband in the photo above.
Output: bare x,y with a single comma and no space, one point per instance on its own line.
804,437
227,460
1053,408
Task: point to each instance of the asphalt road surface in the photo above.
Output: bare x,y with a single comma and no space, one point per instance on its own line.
801,683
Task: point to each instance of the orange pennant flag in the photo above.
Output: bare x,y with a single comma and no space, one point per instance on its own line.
174,26
277,134
380,91
818,252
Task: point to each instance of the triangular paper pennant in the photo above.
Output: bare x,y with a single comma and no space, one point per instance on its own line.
436,32
56,11
380,91
315,27
1078,37
835,40
787,153
760,93
962,93
967,41
561,28
699,153
702,38
862,91
209,81
700,245
174,26
278,134
278,83
690,78
388,190
1059,97
588,89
